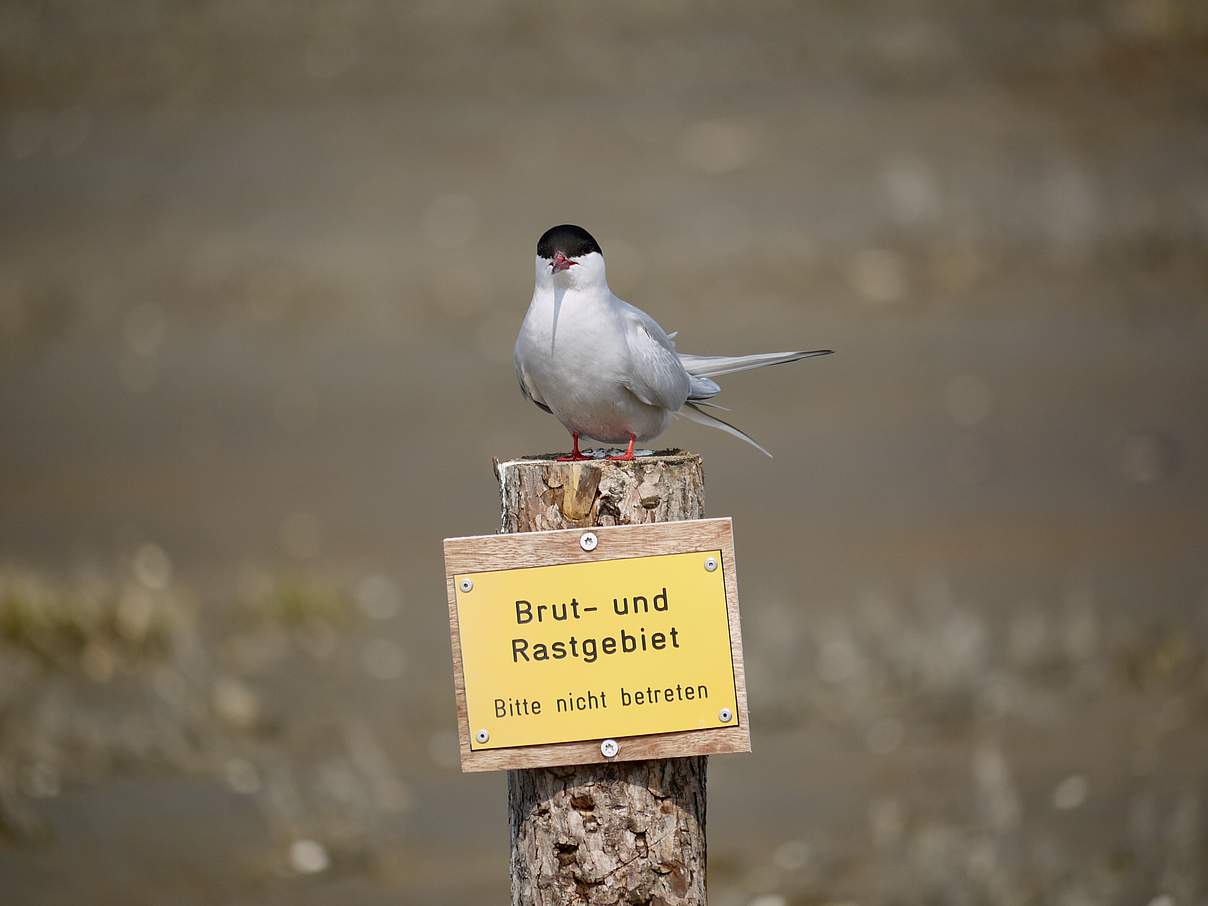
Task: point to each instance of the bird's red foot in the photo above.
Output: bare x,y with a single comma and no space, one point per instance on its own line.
575,455
627,456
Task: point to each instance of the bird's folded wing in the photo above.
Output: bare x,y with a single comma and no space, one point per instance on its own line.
655,376
526,387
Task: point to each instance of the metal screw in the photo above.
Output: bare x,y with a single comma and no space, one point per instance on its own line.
589,541
711,564
609,748
482,736
725,715
466,584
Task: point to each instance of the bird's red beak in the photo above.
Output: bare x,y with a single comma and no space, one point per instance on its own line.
561,263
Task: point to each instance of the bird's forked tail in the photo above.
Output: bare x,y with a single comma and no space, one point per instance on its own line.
714,365
703,368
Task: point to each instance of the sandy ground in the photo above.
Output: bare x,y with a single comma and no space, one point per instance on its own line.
262,272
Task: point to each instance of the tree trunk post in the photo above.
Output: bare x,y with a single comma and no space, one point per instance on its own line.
622,833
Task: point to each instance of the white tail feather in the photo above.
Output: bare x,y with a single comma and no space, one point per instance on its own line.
711,405
713,365
691,412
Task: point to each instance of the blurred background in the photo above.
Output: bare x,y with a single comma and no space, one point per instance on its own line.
263,265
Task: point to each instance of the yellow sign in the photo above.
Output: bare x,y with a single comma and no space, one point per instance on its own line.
606,648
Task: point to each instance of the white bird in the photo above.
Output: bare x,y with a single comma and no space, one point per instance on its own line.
604,368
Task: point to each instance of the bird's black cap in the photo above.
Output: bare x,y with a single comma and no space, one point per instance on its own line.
572,241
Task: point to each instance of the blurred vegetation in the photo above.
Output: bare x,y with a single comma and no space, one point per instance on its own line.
298,603
96,626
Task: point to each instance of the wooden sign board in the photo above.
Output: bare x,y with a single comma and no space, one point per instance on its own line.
564,640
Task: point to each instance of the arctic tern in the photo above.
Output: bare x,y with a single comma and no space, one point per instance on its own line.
606,369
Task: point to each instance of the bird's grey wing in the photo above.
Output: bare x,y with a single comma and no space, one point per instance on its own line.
656,376
526,387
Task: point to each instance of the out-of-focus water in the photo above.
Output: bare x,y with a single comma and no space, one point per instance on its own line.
262,272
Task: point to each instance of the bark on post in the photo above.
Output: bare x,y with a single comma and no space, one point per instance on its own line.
624,833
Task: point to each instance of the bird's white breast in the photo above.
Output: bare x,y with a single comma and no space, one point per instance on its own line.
573,351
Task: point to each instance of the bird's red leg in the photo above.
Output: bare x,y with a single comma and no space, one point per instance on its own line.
575,455
627,456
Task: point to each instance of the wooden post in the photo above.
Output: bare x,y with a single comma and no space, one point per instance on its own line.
630,832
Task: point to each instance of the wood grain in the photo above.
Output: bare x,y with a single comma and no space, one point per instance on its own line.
629,831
